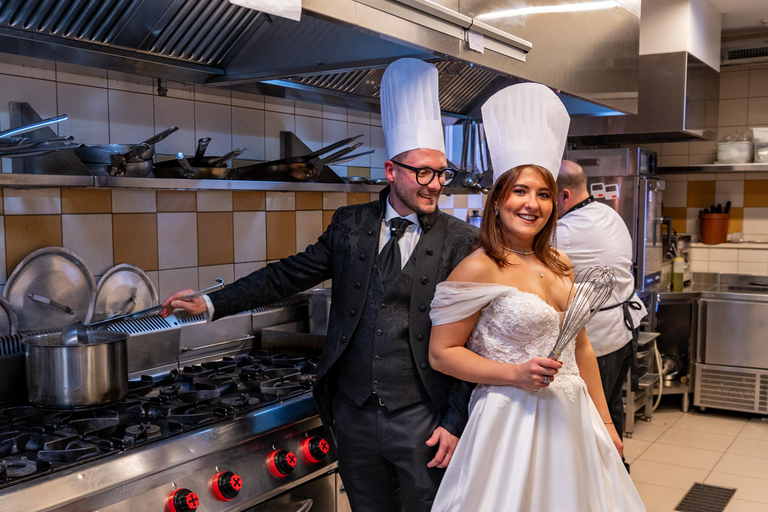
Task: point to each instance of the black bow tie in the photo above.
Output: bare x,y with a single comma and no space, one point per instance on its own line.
390,263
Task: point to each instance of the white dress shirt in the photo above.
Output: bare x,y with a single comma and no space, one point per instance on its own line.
596,235
410,238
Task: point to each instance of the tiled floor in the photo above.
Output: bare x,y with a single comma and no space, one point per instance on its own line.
714,447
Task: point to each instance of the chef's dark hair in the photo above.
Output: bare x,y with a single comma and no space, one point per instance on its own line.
492,238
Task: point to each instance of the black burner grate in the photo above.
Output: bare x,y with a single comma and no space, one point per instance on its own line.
705,498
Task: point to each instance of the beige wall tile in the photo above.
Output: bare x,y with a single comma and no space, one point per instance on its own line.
734,84
673,160
134,201
207,275
334,200
675,194
281,234
176,201
701,193
40,201
281,201
90,237
353,170
79,200
327,217
215,238
675,148
758,111
733,112
357,198
758,82
25,234
3,275
214,201
176,240
702,147
134,239
460,201
249,200
174,280
250,236
702,177
701,159
309,200
756,194
309,227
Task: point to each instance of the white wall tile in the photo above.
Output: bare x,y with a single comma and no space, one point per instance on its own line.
701,177
756,176
379,145
358,116
731,176
243,269
378,173
699,266
755,221
214,200
334,131
717,254
340,169
336,113
207,275
445,201
475,201
673,177
213,95
131,117
88,111
310,131
699,254
354,129
215,121
90,237
130,82
179,90
133,201
40,94
758,269
732,191
277,201
375,119
753,255
692,223
27,66
460,213
176,240
246,100
172,281
724,267
82,75
281,105
304,108
154,277
39,201
250,230
675,194
180,113
274,123
248,131
334,200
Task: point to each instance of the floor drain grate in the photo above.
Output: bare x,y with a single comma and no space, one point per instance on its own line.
705,498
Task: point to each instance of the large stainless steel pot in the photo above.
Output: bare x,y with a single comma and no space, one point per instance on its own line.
77,376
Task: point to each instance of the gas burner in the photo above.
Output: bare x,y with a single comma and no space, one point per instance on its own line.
173,390
98,427
223,383
191,372
25,412
195,415
228,365
199,396
309,366
135,434
280,388
240,401
16,467
69,449
12,442
140,387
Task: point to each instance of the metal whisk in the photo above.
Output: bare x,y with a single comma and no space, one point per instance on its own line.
589,292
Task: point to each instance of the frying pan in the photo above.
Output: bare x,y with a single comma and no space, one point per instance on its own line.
210,168
103,154
299,168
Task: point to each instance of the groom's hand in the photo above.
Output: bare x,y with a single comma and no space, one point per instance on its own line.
447,444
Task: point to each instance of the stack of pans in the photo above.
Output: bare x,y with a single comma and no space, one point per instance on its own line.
133,160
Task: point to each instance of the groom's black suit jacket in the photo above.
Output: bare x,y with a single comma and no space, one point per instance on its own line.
345,252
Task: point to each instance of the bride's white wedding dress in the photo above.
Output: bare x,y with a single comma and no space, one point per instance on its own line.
526,451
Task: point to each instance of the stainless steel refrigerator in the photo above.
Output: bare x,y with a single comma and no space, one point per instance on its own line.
625,180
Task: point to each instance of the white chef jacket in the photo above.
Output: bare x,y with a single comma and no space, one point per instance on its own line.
596,235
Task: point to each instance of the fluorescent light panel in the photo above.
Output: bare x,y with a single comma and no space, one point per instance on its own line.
546,9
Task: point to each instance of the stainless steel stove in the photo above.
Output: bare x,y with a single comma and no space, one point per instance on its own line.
232,429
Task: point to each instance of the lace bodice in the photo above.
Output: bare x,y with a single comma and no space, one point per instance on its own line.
513,326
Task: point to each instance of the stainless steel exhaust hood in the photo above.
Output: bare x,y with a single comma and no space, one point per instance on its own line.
337,52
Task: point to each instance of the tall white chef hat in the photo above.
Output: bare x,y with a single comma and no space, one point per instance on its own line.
410,110
525,124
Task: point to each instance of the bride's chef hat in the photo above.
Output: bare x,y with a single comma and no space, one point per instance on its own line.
410,110
525,124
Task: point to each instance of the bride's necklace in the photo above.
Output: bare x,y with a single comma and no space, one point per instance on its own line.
526,253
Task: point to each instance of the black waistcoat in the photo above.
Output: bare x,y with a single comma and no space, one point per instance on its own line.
379,359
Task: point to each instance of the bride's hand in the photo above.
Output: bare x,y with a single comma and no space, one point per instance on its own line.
617,442
534,373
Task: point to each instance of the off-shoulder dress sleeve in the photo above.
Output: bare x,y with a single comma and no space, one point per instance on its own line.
457,300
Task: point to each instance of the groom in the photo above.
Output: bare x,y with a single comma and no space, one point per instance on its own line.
396,420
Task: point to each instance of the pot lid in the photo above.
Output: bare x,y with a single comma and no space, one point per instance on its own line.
50,288
9,322
123,289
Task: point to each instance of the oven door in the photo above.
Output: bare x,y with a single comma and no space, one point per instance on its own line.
318,495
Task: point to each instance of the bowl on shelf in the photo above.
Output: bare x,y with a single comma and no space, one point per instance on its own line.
740,152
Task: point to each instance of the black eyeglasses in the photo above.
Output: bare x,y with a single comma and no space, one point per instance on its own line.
425,175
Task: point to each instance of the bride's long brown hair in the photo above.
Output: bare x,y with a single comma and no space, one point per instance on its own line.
492,238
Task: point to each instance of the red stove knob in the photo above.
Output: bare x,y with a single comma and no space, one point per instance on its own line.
314,449
280,463
183,500
226,485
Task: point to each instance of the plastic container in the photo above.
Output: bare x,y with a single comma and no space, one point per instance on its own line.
678,274
734,152
714,227
761,151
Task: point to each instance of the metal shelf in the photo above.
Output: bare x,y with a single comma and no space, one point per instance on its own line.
759,167
11,180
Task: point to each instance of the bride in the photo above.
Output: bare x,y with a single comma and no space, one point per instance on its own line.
539,436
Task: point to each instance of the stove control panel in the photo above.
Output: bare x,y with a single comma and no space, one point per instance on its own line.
314,449
183,500
226,485
280,463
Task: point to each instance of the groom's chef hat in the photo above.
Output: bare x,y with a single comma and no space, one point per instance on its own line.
525,124
410,110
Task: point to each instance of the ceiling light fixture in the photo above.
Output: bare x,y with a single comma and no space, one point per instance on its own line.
546,9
